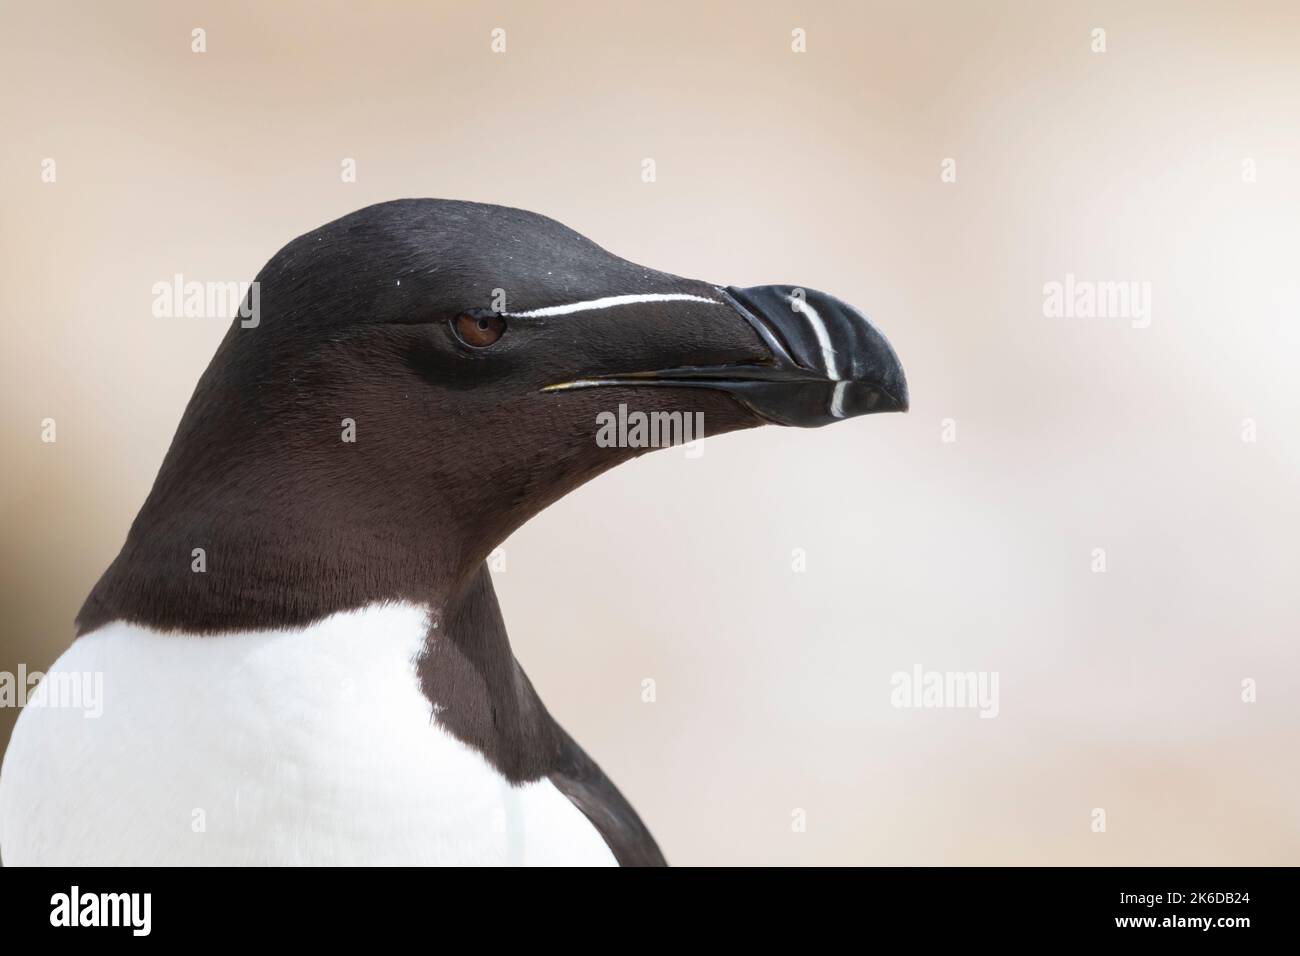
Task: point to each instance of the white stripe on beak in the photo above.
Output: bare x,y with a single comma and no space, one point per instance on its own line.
837,400
819,329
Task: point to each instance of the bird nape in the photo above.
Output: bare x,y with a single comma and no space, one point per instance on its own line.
300,637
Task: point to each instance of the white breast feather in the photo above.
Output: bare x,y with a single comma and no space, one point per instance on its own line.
311,746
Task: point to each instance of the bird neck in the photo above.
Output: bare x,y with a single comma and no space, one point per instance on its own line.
232,555
291,527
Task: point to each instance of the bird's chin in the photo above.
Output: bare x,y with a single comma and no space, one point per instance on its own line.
794,397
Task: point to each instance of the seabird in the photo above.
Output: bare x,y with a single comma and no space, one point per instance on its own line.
303,659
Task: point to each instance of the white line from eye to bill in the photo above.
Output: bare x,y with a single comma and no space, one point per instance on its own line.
609,302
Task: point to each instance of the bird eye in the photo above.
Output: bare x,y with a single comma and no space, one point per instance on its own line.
478,330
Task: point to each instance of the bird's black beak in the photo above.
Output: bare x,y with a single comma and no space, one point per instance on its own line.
826,361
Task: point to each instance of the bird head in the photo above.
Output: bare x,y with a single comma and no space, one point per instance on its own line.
422,376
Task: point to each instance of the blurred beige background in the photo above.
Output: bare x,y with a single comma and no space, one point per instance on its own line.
1119,690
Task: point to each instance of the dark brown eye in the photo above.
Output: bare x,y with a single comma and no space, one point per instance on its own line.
478,330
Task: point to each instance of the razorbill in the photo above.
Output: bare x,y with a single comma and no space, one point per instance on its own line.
303,660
